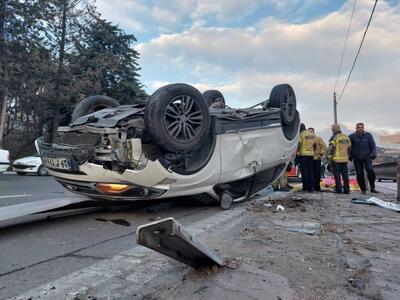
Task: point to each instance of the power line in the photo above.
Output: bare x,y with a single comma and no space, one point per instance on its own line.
345,45
359,49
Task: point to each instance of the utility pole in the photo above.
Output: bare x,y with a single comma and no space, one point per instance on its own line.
334,108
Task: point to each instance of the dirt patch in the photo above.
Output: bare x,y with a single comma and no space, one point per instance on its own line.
274,205
334,228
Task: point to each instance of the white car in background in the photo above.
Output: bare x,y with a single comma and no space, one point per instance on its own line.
30,165
4,160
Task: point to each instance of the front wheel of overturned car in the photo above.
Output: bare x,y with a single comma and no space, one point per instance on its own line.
92,104
177,118
282,96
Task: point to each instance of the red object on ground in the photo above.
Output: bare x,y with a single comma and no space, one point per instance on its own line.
329,182
294,172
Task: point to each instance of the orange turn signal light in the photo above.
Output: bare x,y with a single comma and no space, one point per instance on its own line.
112,188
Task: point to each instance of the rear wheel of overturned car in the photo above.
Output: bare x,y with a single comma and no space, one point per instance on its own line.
177,118
214,97
92,104
282,96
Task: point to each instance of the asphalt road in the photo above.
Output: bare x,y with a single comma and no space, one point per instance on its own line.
387,185
38,252
16,189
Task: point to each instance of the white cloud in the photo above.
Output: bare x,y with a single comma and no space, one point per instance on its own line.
162,16
124,13
246,62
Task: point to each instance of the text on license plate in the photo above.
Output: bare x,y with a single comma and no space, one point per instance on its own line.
57,163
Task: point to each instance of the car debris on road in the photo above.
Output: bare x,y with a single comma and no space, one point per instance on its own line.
376,201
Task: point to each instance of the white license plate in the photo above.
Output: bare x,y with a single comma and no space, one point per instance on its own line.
57,163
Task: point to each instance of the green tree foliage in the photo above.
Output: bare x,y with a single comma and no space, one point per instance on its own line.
22,61
53,54
106,59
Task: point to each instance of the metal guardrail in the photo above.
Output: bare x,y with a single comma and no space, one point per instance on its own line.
170,238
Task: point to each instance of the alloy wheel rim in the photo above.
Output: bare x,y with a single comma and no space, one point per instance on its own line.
183,118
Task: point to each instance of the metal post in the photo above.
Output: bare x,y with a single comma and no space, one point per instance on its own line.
398,178
334,108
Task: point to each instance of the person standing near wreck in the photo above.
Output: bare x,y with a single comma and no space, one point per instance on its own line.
305,153
363,152
338,152
320,150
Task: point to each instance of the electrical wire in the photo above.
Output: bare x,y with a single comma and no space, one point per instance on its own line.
345,45
358,52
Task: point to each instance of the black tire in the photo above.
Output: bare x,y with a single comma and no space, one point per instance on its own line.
282,96
92,104
21,173
290,131
212,96
177,118
42,171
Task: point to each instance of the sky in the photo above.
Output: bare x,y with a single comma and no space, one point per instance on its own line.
243,48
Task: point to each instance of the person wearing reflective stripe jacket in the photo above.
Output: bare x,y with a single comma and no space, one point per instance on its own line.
338,152
319,152
363,152
305,154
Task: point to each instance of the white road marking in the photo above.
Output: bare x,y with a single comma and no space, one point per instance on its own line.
15,196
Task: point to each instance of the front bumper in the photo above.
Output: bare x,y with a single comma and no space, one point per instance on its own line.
82,176
24,168
90,189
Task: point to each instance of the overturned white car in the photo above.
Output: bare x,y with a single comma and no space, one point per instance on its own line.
180,143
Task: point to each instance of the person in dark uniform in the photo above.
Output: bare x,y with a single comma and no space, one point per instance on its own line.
363,152
319,152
